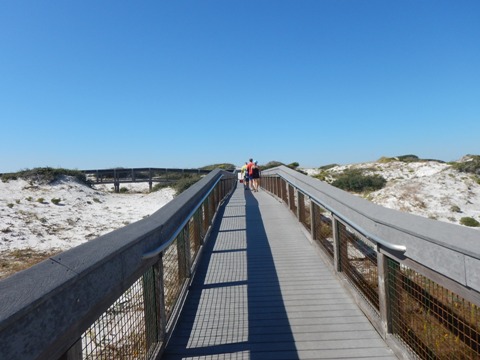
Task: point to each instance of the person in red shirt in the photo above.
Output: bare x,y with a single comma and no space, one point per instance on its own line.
255,177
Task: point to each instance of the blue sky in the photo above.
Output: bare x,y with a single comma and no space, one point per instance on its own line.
175,83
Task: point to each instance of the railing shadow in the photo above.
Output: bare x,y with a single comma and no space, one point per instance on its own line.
235,304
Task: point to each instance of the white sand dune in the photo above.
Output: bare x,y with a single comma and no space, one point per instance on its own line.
30,220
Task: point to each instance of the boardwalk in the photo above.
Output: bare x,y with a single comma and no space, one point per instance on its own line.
262,292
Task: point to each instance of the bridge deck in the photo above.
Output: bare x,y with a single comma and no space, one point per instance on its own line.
262,292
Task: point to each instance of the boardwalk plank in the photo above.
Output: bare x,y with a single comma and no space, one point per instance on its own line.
261,292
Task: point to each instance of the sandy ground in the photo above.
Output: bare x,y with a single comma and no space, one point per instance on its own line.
429,189
29,218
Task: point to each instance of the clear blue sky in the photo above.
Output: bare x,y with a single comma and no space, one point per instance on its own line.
175,83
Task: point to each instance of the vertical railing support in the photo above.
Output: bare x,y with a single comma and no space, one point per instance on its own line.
313,220
291,197
300,207
183,268
383,293
337,261
160,296
197,236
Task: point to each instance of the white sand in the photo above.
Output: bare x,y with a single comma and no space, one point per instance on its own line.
82,214
429,189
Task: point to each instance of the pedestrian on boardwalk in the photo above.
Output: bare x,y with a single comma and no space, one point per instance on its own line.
249,172
245,176
255,176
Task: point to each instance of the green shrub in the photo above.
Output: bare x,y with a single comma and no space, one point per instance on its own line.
456,209
355,181
327,167
56,201
385,160
271,164
123,190
472,166
41,200
10,205
408,158
224,166
46,174
184,183
469,221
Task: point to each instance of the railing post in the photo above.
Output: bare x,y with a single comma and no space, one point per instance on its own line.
291,197
150,179
183,268
383,293
197,237
158,269
337,243
206,215
183,249
154,309
300,207
313,220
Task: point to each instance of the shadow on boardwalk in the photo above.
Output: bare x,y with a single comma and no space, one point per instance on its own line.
262,292
235,309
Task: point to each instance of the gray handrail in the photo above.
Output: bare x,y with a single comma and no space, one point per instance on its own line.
374,238
158,250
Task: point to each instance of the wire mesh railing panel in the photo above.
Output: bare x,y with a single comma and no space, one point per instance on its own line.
171,278
431,320
119,333
358,259
323,232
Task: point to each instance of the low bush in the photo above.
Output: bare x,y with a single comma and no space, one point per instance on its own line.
456,209
56,201
184,183
46,175
469,221
470,166
224,166
355,181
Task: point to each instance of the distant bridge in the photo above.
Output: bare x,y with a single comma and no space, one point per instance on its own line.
299,270
117,176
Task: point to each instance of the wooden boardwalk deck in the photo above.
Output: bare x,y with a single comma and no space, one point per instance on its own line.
262,292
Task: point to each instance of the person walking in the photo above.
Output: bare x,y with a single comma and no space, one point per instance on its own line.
255,178
245,176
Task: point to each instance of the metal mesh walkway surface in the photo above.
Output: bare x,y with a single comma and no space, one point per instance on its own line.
261,291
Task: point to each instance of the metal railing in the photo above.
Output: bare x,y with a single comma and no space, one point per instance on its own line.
115,297
416,279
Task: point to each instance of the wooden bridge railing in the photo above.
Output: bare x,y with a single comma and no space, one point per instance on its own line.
115,297
416,279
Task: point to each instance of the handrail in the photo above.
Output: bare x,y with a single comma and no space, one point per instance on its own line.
415,236
45,310
159,249
368,235
436,273
374,238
